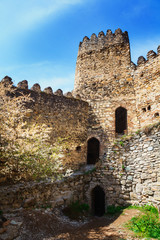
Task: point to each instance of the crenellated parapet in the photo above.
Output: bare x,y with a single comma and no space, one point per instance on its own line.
150,55
7,81
101,41
103,66
23,85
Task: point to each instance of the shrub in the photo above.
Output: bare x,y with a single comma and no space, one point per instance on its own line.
146,225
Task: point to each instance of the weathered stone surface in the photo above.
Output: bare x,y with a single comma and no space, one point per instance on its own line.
59,92
29,202
7,81
36,87
151,54
106,80
23,84
68,94
48,90
141,60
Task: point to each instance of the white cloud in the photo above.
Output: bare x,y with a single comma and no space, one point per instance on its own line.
20,15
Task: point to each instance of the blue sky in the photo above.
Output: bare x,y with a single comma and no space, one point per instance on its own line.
39,38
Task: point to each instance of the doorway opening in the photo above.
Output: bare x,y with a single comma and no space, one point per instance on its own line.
98,201
121,120
93,151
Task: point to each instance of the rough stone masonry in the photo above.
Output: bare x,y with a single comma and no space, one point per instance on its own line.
112,101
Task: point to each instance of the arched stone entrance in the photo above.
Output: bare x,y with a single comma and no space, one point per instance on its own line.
121,120
92,151
98,201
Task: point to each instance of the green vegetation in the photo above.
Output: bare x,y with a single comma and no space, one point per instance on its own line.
76,210
123,167
112,209
138,131
121,143
146,224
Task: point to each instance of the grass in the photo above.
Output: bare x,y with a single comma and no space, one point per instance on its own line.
112,209
146,224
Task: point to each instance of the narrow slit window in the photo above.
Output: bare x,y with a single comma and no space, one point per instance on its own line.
121,120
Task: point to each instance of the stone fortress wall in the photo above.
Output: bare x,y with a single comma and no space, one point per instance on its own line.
108,86
128,174
107,79
67,116
147,88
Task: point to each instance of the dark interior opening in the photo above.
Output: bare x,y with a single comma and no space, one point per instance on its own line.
98,201
121,120
149,107
78,148
156,114
92,151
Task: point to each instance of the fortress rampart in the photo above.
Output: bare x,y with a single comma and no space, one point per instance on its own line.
128,174
113,99
107,79
67,116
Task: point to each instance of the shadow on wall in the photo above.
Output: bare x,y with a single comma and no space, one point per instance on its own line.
105,187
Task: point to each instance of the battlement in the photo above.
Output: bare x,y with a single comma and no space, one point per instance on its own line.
95,43
150,55
23,85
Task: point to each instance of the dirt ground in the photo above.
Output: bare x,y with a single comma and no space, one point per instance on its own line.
49,225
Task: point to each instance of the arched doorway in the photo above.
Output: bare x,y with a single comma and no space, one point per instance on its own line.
98,201
121,120
92,151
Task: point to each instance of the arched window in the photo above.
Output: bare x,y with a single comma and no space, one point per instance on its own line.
121,120
98,201
92,151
